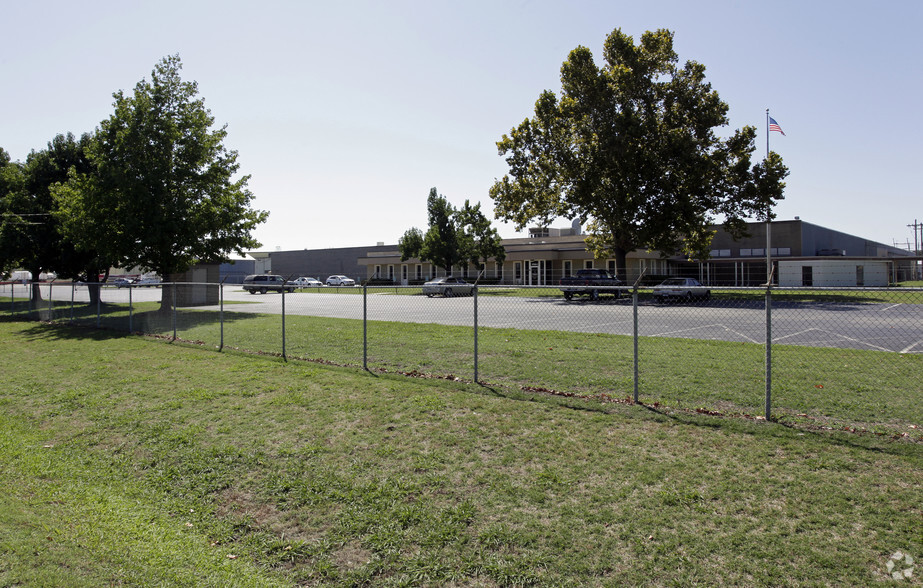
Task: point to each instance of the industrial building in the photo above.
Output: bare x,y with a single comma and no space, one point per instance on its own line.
801,253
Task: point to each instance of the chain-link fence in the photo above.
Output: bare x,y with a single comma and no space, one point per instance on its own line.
849,355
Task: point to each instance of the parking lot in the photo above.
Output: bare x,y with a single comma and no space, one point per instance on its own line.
894,327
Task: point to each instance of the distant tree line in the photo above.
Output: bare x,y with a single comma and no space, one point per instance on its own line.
153,186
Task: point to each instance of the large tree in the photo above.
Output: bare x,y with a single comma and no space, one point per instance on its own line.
32,232
631,149
166,195
12,189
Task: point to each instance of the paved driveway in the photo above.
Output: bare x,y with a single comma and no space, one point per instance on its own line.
878,326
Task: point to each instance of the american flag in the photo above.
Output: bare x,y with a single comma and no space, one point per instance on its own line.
774,126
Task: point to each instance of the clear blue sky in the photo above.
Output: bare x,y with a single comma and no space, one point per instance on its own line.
347,113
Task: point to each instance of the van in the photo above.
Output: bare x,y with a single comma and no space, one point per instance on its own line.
263,283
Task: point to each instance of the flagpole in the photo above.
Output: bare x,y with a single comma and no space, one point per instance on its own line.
768,399
768,205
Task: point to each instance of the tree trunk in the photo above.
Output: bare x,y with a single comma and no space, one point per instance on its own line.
92,282
166,297
621,267
36,290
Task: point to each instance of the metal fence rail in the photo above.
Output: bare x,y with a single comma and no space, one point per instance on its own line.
826,354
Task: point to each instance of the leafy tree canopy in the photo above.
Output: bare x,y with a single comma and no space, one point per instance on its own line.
453,237
165,195
630,149
479,240
31,234
12,189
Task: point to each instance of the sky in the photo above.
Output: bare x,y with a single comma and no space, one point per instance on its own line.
345,114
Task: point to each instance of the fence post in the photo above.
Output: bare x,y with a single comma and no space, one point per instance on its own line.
99,301
221,312
50,305
475,291
283,323
131,312
73,289
634,338
365,329
769,347
174,311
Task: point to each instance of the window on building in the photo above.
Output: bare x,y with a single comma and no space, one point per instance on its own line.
721,253
588,264
518,270
404,272
567,267
391,272
377,271
611,266
419,271
860,275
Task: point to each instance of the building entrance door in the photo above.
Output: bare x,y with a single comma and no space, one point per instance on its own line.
536,273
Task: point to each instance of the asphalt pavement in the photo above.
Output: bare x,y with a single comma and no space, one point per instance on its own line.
875,326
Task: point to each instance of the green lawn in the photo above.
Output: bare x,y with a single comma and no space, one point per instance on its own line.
130,461
874,390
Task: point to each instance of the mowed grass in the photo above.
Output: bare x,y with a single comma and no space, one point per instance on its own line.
128,461
827,387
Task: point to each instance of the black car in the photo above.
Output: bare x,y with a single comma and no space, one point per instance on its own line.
263,283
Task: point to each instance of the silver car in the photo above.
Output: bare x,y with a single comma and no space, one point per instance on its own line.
448,286
340,280
305,282
681,289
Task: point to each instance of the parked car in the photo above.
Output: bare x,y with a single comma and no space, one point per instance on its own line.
340,280
682,289
583,282
306,282
148,281
263,283
448,286
118,282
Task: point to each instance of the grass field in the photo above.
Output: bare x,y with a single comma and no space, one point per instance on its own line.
129,461
873,390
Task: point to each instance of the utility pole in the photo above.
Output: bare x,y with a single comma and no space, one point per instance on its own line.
916,245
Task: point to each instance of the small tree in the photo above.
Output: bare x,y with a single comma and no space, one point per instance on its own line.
440,244
453,236
479,240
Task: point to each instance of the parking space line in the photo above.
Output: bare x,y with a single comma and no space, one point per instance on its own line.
832,335
910,347
702,327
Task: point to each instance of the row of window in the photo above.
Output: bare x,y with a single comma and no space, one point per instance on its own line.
755,252
528,271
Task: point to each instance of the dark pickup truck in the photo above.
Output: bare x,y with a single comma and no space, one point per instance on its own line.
583,281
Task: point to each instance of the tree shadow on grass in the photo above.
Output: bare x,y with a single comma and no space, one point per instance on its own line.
116,320
778,429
